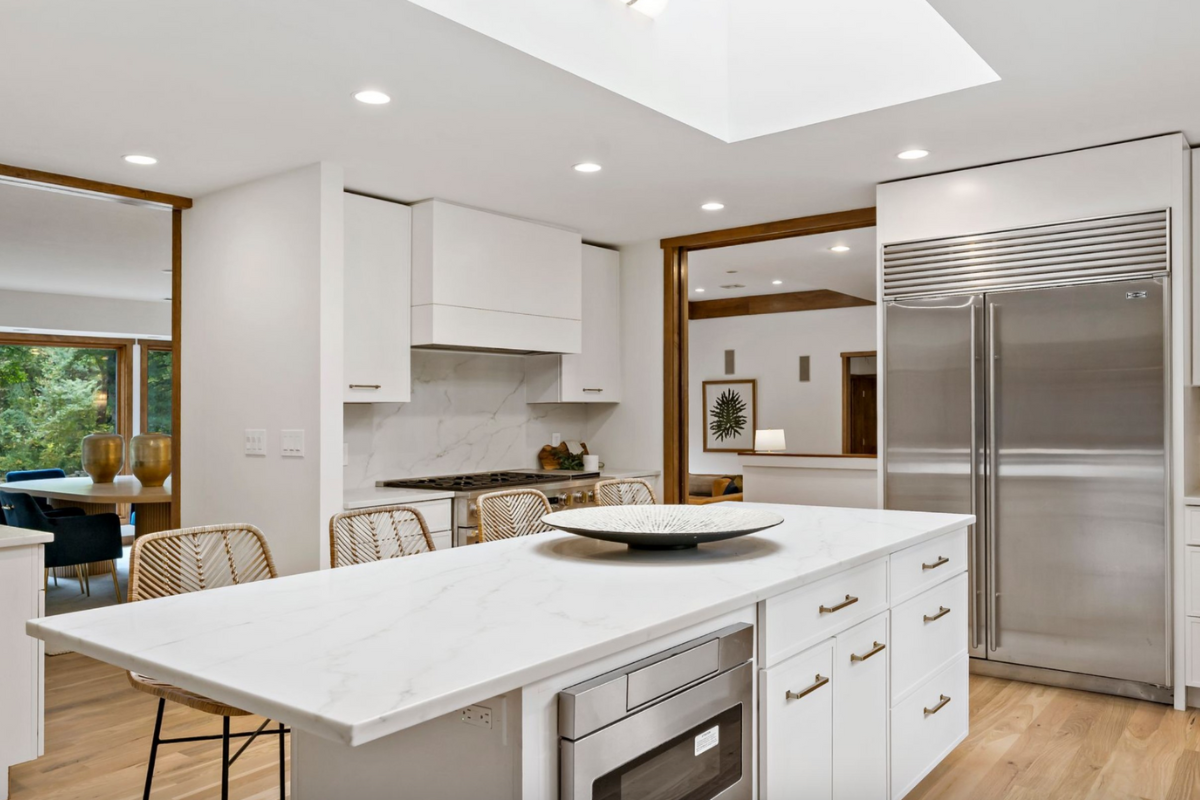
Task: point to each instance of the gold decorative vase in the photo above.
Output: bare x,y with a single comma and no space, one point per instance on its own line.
150,458
103,456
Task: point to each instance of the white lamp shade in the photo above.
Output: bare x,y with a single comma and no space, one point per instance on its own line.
769,440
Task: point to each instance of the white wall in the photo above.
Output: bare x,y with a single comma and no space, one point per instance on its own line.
67,313
768,347
630,434
262,348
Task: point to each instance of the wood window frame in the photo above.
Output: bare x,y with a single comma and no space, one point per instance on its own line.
176,204
146,346
846,443
675,320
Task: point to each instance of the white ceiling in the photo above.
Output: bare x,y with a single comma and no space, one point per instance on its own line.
803,263
223,91
68,244
737,69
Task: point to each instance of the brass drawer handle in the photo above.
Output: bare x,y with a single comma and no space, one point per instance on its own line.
875,649
941,560
593,390
941,704
365,386
849,601
819,681
942,611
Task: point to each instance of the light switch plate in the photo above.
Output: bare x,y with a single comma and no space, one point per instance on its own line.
256,441
291,443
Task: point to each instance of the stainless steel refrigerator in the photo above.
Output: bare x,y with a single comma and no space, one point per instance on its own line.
1043,411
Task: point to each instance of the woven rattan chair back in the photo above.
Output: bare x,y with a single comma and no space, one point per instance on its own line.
517,512
375,534
624,492
194,559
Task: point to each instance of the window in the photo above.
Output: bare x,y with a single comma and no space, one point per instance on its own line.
156,387
55,390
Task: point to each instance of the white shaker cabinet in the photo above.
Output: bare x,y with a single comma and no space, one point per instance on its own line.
594,375
378,276
860,702
796,699
21,657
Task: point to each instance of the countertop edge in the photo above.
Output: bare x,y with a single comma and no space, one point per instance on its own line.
368,730
11,537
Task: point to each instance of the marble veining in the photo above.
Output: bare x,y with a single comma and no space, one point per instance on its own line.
358,653
468,414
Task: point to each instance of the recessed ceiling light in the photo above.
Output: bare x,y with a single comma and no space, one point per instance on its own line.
700,291
909,155
372,97
776,283
713,206
144,161
839,248
588,166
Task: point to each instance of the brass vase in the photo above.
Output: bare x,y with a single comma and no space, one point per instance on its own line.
103,456
150,458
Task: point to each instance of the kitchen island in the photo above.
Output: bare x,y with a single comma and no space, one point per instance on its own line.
437,675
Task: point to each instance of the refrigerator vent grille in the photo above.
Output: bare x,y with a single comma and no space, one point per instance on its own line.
1042,255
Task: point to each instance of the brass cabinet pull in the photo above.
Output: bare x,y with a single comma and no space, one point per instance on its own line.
818,682
941,560
849,601
942,611
593,390
876,647
941,704
365,386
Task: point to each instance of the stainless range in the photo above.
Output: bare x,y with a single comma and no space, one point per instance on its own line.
564,489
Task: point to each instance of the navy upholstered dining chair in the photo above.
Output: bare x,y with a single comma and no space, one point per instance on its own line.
79,539
18,475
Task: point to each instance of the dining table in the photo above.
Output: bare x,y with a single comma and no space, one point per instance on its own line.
151,504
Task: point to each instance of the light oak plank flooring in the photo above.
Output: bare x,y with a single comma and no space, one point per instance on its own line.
1026,743
1032,742
98,731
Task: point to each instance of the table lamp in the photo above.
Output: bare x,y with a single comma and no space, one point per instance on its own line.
769,441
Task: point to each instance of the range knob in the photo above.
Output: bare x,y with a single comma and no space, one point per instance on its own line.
578,497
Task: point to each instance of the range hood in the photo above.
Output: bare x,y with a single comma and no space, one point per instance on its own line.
487,283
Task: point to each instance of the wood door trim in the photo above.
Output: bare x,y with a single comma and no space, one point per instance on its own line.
176,361
146,345
781,303
675,320
847,444
24,176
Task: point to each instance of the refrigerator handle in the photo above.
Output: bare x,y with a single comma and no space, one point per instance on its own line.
972,611
990,528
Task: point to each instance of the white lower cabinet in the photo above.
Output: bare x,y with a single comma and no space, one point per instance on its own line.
928,725
796,702
860,703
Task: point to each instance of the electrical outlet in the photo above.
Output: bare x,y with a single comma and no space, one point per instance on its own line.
479,716
256,441
291,443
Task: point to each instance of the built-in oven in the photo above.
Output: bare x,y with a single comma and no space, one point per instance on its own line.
674,726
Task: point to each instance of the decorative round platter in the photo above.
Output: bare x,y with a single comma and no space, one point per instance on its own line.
663,527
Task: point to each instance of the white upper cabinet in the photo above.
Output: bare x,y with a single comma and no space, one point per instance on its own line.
594,375
378,275
483,281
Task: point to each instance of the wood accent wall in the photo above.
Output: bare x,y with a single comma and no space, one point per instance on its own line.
814,300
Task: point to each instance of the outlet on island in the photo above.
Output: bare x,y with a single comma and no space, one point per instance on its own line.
479,716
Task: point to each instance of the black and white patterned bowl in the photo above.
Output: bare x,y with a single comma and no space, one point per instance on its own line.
663,527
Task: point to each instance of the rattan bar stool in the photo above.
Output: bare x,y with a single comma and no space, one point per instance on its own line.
624,492
375,534
516,512
192,560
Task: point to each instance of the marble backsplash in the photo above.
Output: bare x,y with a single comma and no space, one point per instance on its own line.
468,414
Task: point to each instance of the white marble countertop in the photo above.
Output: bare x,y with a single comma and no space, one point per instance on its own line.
20,537
386,496
358,653
1192,500
616,473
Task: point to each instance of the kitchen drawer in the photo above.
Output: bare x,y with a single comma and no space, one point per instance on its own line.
1191,522
442,540
435,512
928,725
928,632
795,702
798,619
915,569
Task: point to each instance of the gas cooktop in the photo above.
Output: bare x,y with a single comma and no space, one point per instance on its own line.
475,481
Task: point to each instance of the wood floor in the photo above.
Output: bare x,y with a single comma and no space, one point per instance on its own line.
1026,743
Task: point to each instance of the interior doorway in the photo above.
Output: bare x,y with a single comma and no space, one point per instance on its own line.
860,428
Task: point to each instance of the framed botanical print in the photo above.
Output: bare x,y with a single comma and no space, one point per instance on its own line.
730,410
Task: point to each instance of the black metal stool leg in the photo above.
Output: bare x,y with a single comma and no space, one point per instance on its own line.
154,748
225,760
282,768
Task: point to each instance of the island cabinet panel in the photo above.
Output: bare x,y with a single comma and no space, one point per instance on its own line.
860,710
916,568
796,620
796,732
377,301
928,725
927,634
21,661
